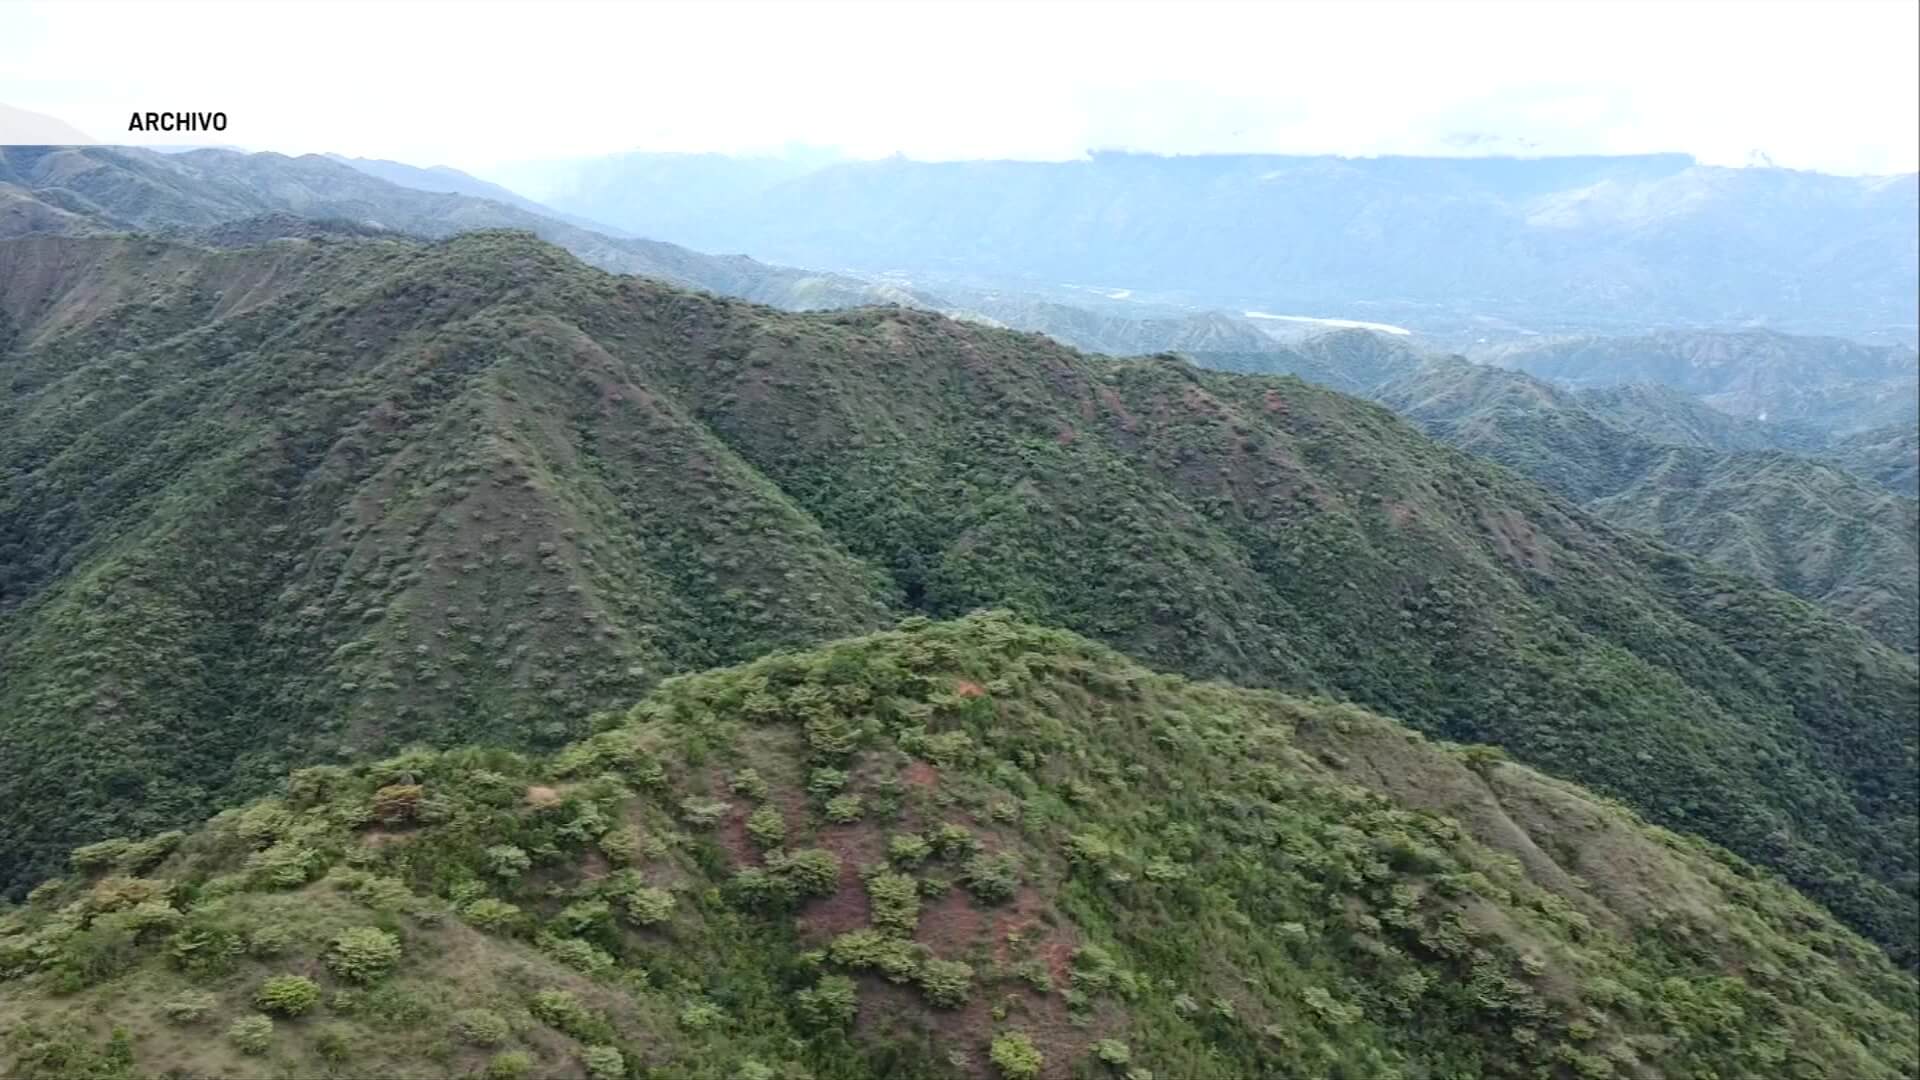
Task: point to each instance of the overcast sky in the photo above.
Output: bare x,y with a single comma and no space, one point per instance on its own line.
1831,85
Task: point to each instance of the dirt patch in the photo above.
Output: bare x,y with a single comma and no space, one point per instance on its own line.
539,795
968,689
921,774
848,908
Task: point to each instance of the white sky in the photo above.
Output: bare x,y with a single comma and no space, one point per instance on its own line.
1831,84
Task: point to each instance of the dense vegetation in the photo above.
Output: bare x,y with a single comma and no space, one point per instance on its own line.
314,500
974,848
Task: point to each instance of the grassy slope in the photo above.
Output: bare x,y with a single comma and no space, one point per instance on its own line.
1018,831
476,490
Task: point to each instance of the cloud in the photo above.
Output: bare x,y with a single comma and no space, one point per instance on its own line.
1822,84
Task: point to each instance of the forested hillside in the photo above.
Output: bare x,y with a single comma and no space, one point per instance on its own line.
1653,459
964,849
281,505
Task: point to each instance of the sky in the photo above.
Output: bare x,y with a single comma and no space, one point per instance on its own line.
1832,85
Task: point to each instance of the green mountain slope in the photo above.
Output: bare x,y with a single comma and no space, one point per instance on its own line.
281,505
965,849
1638,455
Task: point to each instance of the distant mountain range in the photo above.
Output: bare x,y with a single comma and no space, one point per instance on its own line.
1457,248
1837,386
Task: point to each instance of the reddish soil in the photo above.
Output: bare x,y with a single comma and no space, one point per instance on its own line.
921,774
848,908
967,689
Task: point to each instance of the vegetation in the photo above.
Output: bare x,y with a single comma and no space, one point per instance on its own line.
476,492
1213,882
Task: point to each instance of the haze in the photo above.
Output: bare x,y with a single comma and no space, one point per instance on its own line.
1825,86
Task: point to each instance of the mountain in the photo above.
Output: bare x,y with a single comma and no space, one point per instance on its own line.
446,179
1638,455
964,849
1448,246
1827,383
327,497
82,189
1888,456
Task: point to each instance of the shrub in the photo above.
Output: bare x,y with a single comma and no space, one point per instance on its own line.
575,953
747,782
702,813
767,827
649,906
481,1027
1015,1056
896,902
397,804
825,781
845,809
512,1065
701,1015
1113,1052
334,1043
946,982
955,841
754,1069
829,1003
991,878
283,866
288,995
893,957
268,941
561,1010
488,913
190,1007
363,954
812,871
100,856
604,1063
908,849
505,860
622,845
251,1034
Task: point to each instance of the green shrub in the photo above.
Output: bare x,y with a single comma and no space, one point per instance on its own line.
1015,1056
992,878
363,954
488,913
561,1010
830,1003
512,1065
622,845
269,941
908,849
604,1063
190,1007
844,809
767,827
251,1034
701,1015
810,872
575,953
896,902
703,813
288,995
649,906
747,782
334,1043
894,957
481,1027
825,781
955,841
1113,1052
507,861
283,866
946,982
